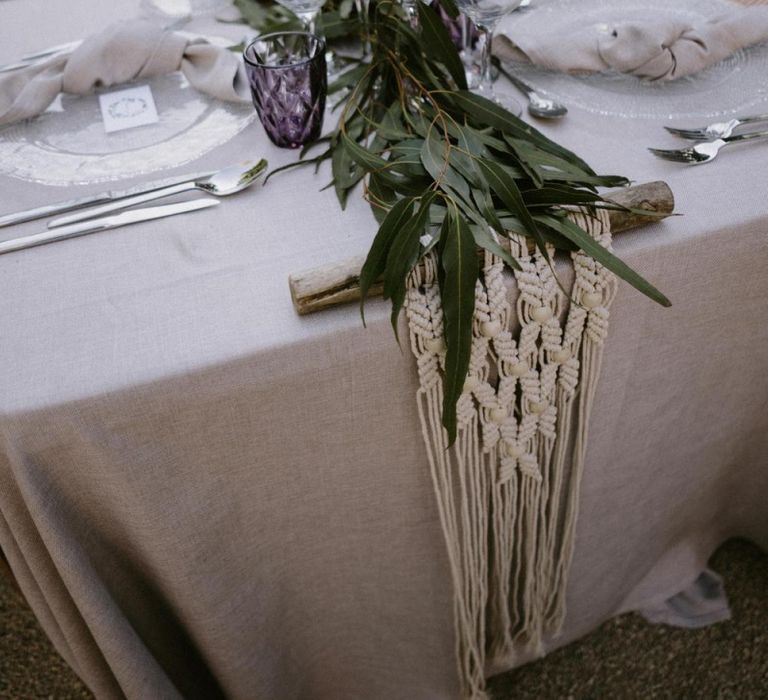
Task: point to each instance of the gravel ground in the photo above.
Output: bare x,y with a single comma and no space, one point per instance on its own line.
624,659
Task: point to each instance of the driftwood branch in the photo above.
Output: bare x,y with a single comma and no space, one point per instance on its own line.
338,283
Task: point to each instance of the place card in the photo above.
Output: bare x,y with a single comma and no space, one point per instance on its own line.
125,109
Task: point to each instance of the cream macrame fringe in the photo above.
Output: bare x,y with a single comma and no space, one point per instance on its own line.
508,489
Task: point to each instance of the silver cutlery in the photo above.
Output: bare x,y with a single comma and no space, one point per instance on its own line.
109,222
60,48
220,184
14,66
718,130
29,59
21,217
704,152
538,106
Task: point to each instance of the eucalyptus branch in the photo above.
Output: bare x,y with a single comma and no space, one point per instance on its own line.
436,159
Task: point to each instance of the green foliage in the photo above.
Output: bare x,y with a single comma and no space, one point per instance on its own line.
447,170
267,17
459,268
337,18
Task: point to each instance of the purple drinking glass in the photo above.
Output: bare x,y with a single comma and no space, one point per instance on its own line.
289,83
462,31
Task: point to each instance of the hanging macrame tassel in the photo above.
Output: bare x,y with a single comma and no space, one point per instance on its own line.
593,292
507,496
461,488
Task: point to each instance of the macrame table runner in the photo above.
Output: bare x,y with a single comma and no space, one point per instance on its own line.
508,489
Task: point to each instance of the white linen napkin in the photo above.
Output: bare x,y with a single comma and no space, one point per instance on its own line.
658,49
122,52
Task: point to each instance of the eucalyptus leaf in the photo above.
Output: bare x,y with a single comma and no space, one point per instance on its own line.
266,17
550,166
382,198
348,79
552,196
438,44
405,185
506,189
362,156
450,7
410,147
346,174
391,124
488,113
482,199
375,262
335,26
484,239
402,256
435,155
461,157
602,255
457,290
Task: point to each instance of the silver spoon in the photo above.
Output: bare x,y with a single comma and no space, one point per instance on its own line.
538,106
220,184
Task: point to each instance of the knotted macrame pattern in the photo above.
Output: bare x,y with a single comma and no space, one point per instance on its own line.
507,490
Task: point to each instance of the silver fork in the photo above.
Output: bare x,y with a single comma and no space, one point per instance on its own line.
718,130
704,152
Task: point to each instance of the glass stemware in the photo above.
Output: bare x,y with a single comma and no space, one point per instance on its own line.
486,15
464,36
308,11
363,8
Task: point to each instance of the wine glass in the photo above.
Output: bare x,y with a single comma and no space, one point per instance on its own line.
486,15
363,8
464,36
308,11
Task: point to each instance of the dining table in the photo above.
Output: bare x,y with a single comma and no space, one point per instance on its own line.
204,494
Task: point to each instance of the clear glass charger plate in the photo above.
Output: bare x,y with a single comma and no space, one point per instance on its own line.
68,145
735,85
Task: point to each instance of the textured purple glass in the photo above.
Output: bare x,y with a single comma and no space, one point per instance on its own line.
289,83
454,28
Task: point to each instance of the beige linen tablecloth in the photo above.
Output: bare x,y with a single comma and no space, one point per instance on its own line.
203,495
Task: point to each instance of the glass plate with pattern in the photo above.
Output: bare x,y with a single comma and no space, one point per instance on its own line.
735,85
68,144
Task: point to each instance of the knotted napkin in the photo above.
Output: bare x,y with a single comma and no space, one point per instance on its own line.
661,48
122,52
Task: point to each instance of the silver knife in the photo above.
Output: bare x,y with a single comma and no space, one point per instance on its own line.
20,217
30,59
14,66
107,222
59,48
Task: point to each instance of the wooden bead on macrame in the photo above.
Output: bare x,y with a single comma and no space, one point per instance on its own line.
514,449
561,355
471,383
519,369
592,299
538,407
498,415
541,314
490,329
435,345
